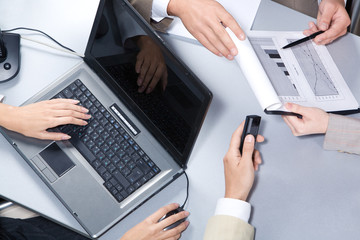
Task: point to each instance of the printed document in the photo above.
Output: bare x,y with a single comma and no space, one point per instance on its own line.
304,74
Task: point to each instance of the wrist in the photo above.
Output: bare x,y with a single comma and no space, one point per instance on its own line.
238,196
7,115
173,8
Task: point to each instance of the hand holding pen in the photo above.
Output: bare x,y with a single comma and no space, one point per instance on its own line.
332,18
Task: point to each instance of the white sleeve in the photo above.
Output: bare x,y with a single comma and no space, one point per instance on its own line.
1,98
159,10
233,207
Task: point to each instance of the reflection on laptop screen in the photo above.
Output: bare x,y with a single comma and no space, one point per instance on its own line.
161,94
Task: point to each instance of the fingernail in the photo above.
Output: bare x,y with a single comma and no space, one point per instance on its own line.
249,138
139,82
242,37
187,213
67,137
187,223
233,51
148,90
288,105
75,101
220,55
84,110
141,89
230,57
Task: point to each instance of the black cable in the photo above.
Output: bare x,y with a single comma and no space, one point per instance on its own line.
187,190
36,30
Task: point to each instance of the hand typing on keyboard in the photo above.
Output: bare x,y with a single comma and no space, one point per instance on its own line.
33,120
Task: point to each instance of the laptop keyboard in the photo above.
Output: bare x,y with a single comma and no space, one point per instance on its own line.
106,145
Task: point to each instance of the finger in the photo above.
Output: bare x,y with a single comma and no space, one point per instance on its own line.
324,17
260,138
149,76
295,108
235,138
335,31
164,80
176,232
292,122
312,29
162,211
248,147
55,136
69,106
71,113
206,43
155,79
256,159
215,39
62,100
229,21
139,62
172,219
68,120
143,71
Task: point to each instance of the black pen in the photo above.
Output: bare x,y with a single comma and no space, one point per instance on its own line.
303,40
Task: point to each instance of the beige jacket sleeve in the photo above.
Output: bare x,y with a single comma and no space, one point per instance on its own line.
222,227
144,8
343,134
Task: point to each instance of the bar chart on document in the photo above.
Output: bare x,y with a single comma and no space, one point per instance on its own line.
298,73
275,68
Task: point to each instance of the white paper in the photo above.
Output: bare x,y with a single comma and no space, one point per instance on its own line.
255,74
244,12
304,74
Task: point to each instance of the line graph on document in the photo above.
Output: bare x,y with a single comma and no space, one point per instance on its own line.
314,70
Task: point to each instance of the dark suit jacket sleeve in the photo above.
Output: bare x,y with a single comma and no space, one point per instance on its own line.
343,134
223,227
144,8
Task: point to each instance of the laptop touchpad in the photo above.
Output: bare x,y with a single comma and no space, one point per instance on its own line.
57,159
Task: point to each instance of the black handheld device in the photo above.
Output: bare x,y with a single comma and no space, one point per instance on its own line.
251,126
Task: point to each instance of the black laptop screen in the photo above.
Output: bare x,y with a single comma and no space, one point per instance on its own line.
162,93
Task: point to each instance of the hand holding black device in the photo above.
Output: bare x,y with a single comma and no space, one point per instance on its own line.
251,126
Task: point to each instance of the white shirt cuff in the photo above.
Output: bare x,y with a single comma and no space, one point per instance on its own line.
233,207
1,98
159,10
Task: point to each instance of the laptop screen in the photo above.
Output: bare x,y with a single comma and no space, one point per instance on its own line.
133,60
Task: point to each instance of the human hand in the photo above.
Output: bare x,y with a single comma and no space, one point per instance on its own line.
33,120
314,120
152,229
206,21
332,18
150,65
239,170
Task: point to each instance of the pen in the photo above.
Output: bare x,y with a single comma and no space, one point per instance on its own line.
303,40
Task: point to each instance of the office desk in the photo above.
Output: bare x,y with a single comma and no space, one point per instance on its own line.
300,192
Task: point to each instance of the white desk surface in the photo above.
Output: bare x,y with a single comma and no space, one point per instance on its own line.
301,191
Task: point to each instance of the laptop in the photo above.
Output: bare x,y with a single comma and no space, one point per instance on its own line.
136,142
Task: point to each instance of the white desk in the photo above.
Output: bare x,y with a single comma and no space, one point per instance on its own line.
301,191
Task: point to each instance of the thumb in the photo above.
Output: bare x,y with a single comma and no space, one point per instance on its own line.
248,147
325,18
295,108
